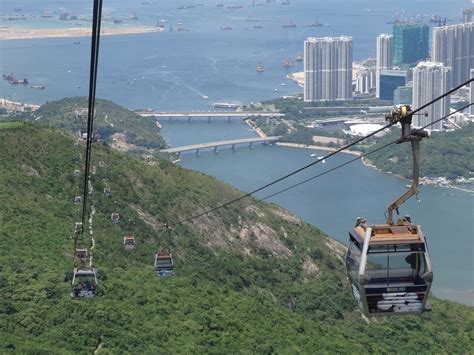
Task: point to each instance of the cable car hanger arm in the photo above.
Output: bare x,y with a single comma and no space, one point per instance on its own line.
403,115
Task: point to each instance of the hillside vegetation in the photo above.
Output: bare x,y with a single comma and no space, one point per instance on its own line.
115,124
448,154
250,279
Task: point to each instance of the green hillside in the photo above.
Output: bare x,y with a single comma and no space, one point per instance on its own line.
448,154
248,279
127,130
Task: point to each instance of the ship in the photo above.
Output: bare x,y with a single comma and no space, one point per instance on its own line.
132,17
226,28
13,80
287,63
183,7
289,25
40,87
315,24
299,57
285,2
253,19
226,105
260,68
47,14
235,7
220,5
76,42
161,23
257,26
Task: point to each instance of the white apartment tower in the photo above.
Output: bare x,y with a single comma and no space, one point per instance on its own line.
430,80
471,94
384,58
454,47
328,68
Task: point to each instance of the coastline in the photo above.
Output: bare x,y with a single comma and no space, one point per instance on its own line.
317,147
16,33
366,163
297,77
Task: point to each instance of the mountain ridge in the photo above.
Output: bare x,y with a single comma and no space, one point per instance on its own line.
248,279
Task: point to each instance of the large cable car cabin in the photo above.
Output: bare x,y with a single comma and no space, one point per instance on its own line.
388,264
164,264
84,282
389,267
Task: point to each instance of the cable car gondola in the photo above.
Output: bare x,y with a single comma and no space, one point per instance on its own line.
388,264
129,242
164,264
78,230
389,267
82,255
84,282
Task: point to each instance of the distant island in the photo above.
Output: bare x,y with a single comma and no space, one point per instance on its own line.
27,33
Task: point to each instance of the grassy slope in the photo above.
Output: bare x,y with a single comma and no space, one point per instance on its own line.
449,154
138,130
234,291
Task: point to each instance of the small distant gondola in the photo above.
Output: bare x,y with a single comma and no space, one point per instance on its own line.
129,242
164,264
84,283
82,255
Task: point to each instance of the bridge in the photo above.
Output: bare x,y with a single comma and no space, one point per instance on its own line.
210,114
215,145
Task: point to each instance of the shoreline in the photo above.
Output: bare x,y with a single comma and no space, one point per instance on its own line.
368,164
316,147
18,34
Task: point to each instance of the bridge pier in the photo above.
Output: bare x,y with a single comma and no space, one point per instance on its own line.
169,118
197,152
216,150
251,145
233,147
228,118
189,119
209,119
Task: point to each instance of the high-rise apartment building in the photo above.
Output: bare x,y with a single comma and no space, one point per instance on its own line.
468,15
471,94
365,80
384,57
410,42
430,80
454,47
328,68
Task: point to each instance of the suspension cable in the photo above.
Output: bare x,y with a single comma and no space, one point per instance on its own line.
318,160
96,24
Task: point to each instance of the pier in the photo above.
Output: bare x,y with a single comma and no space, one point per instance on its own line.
215,145
243,115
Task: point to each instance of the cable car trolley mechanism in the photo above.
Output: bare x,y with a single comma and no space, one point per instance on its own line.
388,265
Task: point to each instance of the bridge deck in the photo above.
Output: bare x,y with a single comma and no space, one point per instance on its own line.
211,114
219,144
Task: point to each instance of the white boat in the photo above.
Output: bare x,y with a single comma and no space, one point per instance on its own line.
323,160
